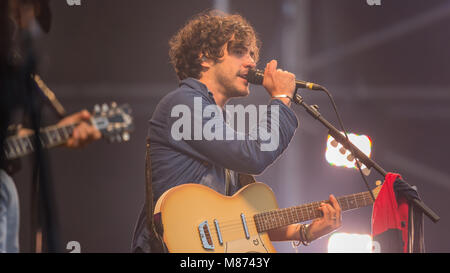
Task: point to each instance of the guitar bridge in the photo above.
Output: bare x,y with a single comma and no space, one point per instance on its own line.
205,235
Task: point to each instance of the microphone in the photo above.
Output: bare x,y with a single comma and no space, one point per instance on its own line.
256,76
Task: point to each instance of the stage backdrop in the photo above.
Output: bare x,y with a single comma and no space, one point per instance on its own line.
387,67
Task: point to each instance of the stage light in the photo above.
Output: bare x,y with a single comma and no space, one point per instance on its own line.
350,243
338,156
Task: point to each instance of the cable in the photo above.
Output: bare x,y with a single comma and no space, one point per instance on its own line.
358,164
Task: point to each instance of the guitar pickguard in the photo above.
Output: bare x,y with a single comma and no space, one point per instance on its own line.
255,244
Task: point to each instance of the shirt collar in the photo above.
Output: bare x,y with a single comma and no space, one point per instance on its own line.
197,85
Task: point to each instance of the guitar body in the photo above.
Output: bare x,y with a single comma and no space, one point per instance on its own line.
197,219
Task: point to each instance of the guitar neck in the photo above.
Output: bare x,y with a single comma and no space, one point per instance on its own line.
15,146
114,123
282,217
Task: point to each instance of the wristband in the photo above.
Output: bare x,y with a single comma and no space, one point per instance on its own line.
282,96
303,238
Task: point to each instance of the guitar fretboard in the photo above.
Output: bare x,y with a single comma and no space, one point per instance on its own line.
282,217
15,147
114,123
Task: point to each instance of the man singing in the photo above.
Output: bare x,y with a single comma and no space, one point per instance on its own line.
212,55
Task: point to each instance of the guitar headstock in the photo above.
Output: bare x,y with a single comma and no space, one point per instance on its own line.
338,155
113,121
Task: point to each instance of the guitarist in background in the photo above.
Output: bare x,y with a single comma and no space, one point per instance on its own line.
17,17
211,55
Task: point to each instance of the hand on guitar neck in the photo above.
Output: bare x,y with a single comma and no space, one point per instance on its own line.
113,123
330,220
83,134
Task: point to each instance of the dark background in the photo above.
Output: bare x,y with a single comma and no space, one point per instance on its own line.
387,67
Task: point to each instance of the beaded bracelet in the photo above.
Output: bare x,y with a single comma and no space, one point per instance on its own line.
303,237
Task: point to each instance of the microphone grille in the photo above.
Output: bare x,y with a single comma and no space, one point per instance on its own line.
255,76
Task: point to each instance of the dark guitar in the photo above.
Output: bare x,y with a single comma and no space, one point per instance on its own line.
114,122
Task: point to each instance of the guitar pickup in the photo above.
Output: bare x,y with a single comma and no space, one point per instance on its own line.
205,235
219,235
244,224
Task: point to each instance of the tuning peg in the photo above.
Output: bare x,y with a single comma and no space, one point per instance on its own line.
350,157
342,150
97,109
334,143
126,136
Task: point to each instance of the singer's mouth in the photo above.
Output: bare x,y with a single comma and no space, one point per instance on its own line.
243,75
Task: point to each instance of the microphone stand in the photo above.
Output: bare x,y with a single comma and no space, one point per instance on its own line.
339,137
45,221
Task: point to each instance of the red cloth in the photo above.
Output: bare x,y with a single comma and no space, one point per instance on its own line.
390,213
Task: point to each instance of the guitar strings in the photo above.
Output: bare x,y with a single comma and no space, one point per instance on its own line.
304,210
236,224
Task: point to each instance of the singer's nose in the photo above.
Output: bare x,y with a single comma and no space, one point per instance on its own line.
250,62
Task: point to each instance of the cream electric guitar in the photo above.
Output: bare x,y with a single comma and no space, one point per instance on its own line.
197,219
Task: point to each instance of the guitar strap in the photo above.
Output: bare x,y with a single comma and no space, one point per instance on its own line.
244,180
50,96
156,242
227,182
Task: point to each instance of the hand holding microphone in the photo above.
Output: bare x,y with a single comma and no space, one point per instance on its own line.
277,81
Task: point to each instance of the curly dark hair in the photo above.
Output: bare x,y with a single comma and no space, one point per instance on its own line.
205,35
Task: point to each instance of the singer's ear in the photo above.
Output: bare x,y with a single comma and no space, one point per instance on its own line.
205,62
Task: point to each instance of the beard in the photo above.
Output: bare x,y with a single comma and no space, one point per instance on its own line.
233,83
